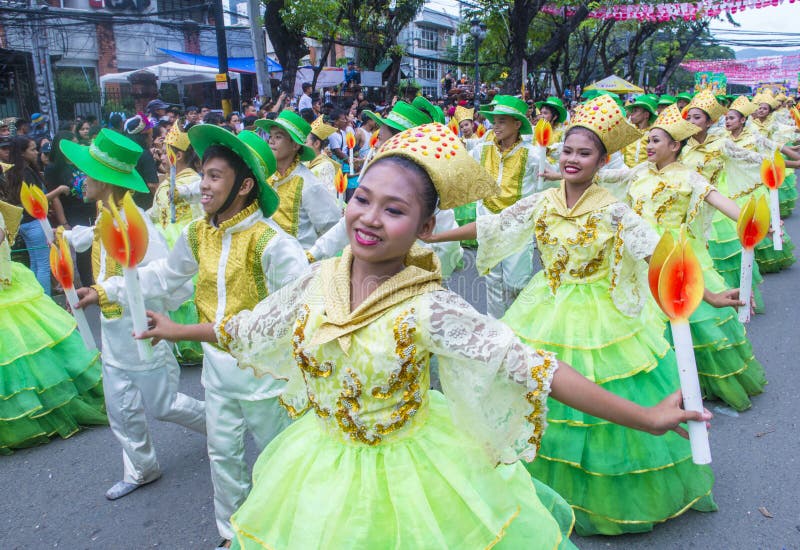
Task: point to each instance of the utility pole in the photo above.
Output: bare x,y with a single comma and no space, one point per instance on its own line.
42,69
223,84
257,36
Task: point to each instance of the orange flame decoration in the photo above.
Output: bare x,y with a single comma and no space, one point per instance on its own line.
34,201
773,171
373,140
171,155
125,240
543,132
676,277
61,262
480,130
753,223
340,181
351,140
795,115
453,126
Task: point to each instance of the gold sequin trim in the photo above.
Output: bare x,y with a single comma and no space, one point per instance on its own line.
557,268
348,407
590,268
618,243
225,338
307,364
587,234
542,236
537,397
293,412
406,377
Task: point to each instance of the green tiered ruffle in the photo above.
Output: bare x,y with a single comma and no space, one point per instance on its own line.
435,488
726,364
618,480
726,253
466,214
787,193
770,260
49,383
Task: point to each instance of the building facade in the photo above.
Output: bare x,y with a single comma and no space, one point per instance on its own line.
429,39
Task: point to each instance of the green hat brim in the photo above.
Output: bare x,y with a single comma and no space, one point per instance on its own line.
79,156
646,107
562,112
524,130
203,136
306,152
374,116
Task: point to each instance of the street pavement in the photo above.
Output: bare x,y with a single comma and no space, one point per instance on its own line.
52,496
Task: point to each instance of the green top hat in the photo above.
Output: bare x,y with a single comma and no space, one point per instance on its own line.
403,116
297,128
686,96
510,106
250,148
723,99
647,103
110,158
434,111
556,104
667,100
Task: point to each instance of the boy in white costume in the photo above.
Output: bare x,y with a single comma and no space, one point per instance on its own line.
239,256
131,385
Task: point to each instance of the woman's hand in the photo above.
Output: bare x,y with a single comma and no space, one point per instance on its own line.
669,415
551,175
728,298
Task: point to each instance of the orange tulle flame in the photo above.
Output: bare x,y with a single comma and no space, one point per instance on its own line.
753,223
676,277
351,140
773,171
34,201
373,140
543,133
61,262
340,181
480,130
795,116
124,238
453,124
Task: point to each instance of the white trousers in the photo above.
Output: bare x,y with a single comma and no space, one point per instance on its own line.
228,420
128,395
506,280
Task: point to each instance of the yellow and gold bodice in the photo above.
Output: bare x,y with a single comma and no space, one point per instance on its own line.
290,192
509,168
373,391
669,197
184,211
245,283
706,158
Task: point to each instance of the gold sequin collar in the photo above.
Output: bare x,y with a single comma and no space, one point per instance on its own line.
277,176
241,215
421,275
594,198
671,167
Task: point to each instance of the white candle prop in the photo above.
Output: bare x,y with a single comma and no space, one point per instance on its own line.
138,314
690,390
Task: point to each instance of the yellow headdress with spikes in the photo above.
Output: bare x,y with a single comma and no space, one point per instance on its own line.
604,117
671,121
706,102
462,113
458,178
322,130
177,138
744,106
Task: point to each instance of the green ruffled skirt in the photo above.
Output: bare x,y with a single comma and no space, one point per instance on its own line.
466,214
726,253
434,488
787,193
49,383
618,480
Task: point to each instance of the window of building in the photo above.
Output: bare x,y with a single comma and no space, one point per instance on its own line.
428,39
428,91
426,69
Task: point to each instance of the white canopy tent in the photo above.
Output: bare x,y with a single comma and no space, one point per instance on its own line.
170,72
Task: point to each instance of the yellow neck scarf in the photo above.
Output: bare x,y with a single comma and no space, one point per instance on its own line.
594,198
421,275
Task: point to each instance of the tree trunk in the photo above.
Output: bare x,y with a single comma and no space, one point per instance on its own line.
686,41
558,38
290,47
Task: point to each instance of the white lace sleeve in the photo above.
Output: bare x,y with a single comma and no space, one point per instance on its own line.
635,240
510,231
700,213
496,386
261,339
